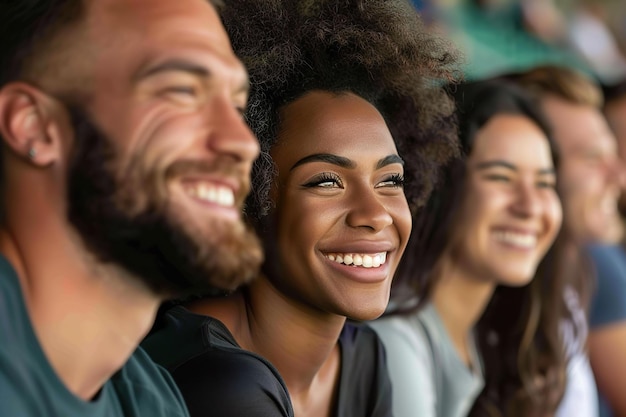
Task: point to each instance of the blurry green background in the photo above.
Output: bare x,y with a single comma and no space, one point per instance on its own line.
500,36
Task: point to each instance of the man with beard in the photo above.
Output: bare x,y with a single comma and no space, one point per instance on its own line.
124,166
591,177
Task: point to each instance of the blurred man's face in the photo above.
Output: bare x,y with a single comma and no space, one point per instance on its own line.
162,157
590,174
615,113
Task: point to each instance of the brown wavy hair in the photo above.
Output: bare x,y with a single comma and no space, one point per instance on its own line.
518,334
376,49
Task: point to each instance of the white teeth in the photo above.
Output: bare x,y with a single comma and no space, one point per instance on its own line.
608,205
225,197
212,193
517,239
373,260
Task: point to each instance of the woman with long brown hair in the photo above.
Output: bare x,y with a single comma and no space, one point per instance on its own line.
470,329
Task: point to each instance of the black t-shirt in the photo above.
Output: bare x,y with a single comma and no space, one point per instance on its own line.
29,386
218,378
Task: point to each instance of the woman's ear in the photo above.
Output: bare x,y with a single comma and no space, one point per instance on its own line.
30,124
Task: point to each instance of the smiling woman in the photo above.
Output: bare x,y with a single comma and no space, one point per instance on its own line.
353,127
476,310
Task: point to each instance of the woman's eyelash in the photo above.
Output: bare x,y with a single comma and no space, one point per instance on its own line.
325,178
398,179
394,180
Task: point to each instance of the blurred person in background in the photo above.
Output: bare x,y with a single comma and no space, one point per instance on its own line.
474,323
591,178
615,112
589,34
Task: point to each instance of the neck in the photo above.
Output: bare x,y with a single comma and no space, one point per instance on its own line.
302,343
460,301
307,337
76,306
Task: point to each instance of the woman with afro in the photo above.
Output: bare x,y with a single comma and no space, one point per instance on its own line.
346,102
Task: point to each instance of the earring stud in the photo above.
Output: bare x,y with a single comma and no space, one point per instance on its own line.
32,153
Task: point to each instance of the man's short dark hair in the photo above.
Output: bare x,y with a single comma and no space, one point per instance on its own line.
27,27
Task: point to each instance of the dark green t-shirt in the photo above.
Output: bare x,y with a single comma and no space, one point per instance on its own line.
29,387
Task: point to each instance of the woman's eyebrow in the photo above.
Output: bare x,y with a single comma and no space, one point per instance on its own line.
388,160
496,164
510,166
327,158
345,162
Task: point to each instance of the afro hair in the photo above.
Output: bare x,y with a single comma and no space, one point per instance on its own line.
377,49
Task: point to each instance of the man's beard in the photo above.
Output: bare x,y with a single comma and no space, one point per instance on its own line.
170,256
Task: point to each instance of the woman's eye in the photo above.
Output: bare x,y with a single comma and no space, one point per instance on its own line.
498,178
325,180
393,181
180,91
546,184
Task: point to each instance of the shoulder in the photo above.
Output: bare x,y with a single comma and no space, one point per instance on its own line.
365,388
607,304
608,260
361,342
213,372
14,321
233,381
143,384
410,361
22,367
412,334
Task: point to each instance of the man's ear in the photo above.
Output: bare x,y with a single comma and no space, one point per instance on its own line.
31,123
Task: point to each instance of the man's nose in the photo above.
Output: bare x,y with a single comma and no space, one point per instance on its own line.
230,135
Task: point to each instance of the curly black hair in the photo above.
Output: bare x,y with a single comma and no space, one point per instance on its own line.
376,49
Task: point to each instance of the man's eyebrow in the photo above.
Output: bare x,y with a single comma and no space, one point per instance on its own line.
172,65
508,165
184,66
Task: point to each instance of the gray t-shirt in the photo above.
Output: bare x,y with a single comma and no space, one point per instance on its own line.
428,378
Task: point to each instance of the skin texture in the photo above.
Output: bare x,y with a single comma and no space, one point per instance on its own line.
293,314
590,176
509,189
156,121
